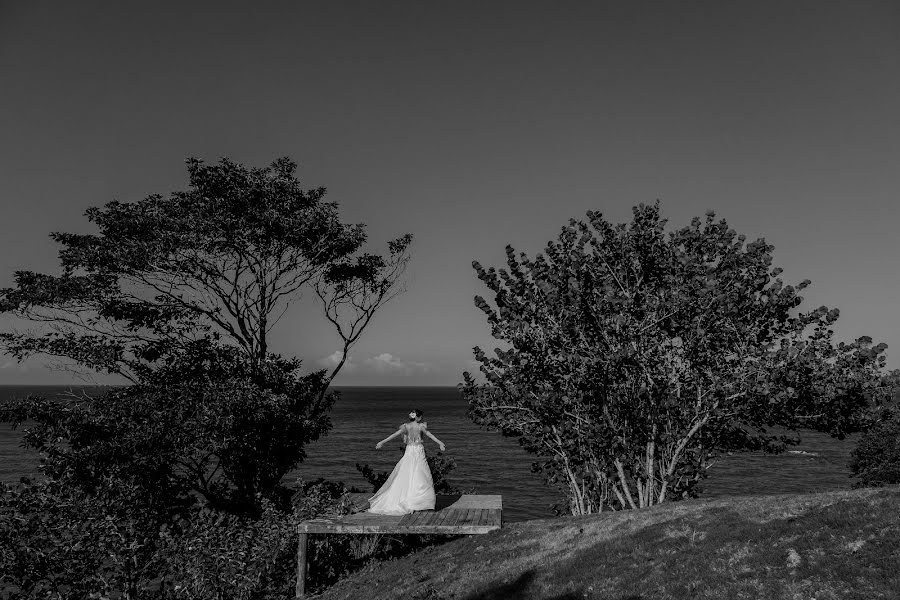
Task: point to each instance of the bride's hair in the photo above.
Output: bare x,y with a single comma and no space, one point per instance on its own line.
418,412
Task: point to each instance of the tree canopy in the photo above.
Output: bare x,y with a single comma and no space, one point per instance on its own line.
178,294
635,357
217,263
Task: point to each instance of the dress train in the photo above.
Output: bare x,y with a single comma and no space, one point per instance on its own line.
409,486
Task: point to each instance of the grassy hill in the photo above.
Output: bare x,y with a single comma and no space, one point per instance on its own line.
835,545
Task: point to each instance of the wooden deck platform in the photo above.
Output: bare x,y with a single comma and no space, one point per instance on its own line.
467,514
453,515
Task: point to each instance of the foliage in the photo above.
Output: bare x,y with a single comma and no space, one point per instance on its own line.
59,542
226,440
218,555
635,358
876,459
219,261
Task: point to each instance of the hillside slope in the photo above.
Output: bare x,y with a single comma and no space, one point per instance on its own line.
834,545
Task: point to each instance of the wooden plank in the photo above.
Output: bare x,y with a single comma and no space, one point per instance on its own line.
417,518
479,517
470,514
367,518
423,523
473,516
426,518
460,517
439,518
409,519
453,517
492,517
316,526
300,587
488,517
468,501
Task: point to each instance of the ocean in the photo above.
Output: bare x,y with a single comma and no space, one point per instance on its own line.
486,461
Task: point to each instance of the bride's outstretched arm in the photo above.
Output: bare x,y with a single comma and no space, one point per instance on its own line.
439,442
389,438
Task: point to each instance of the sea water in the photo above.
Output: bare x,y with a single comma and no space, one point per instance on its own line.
486,461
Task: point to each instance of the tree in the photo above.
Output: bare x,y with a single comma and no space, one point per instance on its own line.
635,358
178,295
220,261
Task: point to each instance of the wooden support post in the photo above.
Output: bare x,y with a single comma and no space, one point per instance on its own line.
300,591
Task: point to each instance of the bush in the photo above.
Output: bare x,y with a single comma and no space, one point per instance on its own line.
226,440
876,458
58,542
124,512
218,555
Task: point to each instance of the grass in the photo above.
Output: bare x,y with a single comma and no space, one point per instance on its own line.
833,545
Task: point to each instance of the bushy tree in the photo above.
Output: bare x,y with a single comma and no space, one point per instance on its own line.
219,261
635,358
178,295
225,440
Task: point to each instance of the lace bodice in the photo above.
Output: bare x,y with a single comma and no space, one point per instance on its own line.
413,432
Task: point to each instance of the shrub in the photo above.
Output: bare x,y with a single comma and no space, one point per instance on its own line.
227,440
876,458
219,555
58,542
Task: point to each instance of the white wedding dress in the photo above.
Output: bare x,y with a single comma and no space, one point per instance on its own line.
409,487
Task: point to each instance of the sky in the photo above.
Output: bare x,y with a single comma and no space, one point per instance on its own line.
471,125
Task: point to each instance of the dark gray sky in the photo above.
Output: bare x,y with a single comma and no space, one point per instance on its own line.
470,125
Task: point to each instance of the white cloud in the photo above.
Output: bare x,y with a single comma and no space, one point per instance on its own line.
388,364
332,360
11,364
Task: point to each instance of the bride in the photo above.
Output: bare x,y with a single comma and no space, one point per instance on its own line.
409,487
